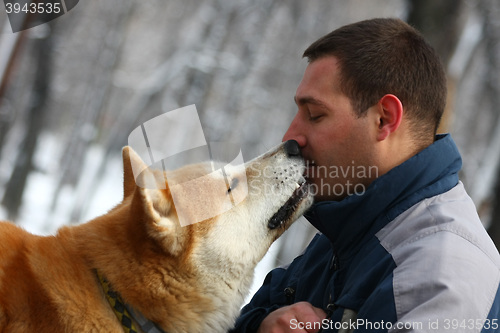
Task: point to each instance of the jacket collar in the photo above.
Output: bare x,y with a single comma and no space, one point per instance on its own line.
428,173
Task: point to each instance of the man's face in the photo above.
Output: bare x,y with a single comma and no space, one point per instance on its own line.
337,144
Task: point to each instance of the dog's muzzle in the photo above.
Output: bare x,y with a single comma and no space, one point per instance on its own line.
285,213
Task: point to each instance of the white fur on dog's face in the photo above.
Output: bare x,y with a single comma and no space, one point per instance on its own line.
271,180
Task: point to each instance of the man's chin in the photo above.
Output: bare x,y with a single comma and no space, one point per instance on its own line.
334,191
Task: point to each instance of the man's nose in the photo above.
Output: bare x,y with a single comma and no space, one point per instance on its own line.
295,133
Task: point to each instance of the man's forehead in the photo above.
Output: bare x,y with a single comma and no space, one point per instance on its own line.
321,77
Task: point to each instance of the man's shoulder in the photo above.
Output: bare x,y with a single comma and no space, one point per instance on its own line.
451,212
444,257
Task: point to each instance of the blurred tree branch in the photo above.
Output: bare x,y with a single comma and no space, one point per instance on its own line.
42,48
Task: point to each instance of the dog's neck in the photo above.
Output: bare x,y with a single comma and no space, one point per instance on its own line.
130,319
208,303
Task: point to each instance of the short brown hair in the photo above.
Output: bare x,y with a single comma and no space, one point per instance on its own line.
387,56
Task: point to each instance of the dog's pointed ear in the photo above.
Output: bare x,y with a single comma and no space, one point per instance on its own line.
163,224
156,200
130,160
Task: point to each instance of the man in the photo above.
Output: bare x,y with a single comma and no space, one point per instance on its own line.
401,247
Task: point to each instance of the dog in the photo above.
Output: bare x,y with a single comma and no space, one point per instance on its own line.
137,269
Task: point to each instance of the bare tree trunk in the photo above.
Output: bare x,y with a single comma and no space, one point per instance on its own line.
12,199
491,10
10,46
93,111
441,23
494,229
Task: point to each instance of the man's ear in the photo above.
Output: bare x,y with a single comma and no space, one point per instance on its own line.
390,115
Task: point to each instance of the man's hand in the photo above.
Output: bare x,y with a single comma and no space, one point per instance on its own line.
298,317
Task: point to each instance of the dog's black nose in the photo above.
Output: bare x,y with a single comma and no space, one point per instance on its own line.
292,148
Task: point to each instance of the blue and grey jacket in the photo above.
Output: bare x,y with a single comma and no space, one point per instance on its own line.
408,255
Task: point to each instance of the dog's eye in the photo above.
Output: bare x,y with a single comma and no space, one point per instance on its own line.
232,186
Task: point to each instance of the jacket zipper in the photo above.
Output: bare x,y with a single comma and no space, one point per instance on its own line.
334,263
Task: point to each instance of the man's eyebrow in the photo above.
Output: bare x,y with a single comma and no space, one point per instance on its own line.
308,100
